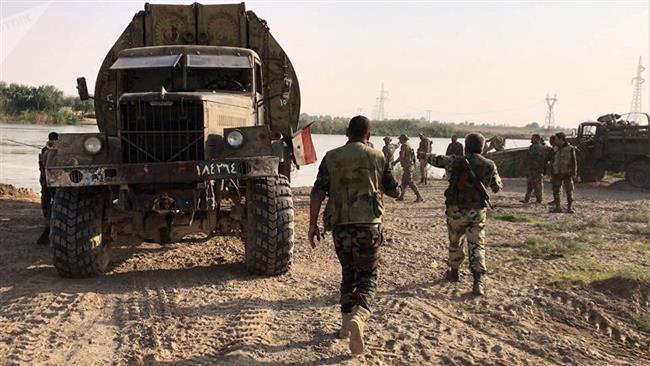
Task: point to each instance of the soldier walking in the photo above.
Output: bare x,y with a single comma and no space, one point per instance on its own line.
455,147
467,200
423,147
535,161
355,178
389,149
563,170
407,160
47,194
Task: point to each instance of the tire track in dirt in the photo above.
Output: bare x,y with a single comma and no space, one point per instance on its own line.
573,311
33,325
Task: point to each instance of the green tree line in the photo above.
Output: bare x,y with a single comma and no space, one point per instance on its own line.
390,127
325,124
43,104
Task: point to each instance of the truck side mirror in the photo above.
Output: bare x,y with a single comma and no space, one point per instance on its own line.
82,88
573,132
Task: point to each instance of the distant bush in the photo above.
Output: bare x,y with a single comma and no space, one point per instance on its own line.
44,104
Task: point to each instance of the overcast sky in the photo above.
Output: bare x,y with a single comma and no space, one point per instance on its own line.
476,61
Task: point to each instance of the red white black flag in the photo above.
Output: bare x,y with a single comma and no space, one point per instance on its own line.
303,147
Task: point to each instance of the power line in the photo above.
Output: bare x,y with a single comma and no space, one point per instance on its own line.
636,107
381,101
550,114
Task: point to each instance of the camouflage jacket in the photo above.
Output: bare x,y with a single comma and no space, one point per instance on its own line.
455,148
406,155
354,177
461,192
536,158
389,152
424,146
564,161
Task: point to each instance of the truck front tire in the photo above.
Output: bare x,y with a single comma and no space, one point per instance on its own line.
269,226
77,241
638,174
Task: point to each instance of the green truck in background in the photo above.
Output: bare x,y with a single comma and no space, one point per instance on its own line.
609,144
196,106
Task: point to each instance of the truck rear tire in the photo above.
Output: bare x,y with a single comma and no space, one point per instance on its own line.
638,174
76,233
269,226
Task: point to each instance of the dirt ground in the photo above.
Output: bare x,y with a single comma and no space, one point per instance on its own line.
561,289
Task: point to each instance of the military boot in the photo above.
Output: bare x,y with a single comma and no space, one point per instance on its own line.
477,288
556,202
569,208
345,325
453,275
360,316
419,199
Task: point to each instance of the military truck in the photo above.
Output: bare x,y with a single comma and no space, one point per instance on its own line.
613,144
610,143
196,106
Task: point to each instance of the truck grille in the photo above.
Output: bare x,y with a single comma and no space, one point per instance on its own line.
162,131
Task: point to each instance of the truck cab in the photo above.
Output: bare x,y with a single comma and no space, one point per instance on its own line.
193,138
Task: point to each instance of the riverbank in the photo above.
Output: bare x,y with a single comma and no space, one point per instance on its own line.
561,289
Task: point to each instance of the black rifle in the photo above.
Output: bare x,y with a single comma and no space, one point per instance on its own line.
477,183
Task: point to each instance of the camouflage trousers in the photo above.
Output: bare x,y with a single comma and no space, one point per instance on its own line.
423,170
536,184
467,223
357,247
407,181
557,181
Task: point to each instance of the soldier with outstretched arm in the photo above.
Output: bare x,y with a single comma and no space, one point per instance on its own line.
467,200
354,178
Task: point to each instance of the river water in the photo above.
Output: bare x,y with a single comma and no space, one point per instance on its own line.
19,163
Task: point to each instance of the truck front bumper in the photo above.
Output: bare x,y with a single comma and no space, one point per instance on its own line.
173,172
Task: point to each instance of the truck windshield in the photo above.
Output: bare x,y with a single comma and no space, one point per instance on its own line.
232,73
589,130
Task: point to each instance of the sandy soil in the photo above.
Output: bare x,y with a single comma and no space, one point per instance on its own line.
193,303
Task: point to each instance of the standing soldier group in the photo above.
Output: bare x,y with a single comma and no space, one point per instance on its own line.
355,178
560,157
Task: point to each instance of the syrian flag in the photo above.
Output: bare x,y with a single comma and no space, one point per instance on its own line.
303,147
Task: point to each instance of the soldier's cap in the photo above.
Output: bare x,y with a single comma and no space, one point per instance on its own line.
388,139
536,136
403,137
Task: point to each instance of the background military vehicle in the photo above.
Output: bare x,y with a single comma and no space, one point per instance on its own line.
608,144
196,105
615,145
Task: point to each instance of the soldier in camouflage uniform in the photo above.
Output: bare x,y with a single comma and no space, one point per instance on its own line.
389,149
563,170
407,160
535,164
423,147
496,143
467,202
455,147
354,177
47,193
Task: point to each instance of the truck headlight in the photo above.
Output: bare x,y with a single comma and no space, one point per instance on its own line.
93,145
235,139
